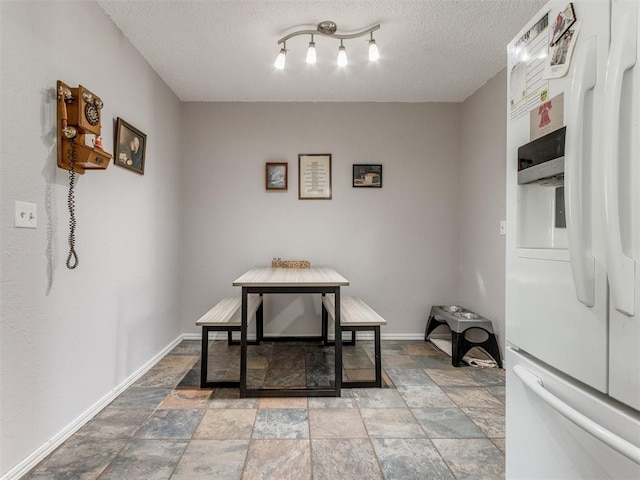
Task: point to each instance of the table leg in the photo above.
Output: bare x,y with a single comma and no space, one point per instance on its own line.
338,343
325,322
243,345
260,322
204,357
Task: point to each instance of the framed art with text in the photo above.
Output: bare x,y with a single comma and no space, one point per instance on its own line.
314,176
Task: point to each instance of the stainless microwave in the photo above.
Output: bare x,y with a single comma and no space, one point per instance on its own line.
543,159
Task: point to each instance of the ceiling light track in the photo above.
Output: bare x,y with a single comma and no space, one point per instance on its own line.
328,29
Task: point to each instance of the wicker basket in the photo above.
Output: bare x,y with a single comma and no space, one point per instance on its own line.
290,264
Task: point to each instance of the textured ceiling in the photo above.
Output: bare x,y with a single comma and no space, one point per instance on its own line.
223,51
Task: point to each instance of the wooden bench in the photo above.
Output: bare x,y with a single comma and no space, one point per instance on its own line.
355,315
226,316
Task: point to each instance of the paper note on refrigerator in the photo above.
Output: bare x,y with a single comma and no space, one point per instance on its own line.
559,59
527,58
547,117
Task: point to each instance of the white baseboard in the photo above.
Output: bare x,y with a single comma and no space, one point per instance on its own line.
41,452
192,336
402,336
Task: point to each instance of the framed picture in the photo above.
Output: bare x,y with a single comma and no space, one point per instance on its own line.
130,145
314,176
276,176
366,175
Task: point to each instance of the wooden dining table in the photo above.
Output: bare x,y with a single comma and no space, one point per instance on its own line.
270,280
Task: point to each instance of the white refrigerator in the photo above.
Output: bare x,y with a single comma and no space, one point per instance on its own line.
573,243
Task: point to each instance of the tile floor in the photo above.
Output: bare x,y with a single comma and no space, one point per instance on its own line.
286,365
432,421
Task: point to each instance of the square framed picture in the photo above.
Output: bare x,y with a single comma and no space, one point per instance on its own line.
130,146
367,175
276,176
314,176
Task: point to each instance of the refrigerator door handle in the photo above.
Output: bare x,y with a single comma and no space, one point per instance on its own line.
582,262
620,445
622,57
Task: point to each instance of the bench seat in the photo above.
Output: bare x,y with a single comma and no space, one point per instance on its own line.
225,316
356,315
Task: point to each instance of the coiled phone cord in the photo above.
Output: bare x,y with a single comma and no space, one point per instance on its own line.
71,155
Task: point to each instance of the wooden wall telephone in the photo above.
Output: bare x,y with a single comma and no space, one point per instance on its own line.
78,115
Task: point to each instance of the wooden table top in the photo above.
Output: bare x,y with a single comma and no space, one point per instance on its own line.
285,277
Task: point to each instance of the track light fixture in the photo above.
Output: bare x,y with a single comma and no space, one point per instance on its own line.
311,52
281,58
374,54
342,56
328,29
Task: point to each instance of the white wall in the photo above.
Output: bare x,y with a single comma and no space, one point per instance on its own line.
482,201
398,245
68,337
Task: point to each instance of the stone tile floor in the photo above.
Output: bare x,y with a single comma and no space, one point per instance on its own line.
433,421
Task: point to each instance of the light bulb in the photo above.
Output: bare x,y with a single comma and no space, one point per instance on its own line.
374,54
311,53
281,59
342,56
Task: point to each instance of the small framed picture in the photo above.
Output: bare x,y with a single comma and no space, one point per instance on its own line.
276,176
130,146
367,175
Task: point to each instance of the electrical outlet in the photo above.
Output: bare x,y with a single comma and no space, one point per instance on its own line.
503,227
26,215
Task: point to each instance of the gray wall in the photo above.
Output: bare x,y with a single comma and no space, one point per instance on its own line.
398,245
430,235
67,337
482,201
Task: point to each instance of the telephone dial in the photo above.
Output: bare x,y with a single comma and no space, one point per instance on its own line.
79,113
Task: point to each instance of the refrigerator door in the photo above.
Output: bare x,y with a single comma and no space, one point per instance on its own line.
621,158
558,428
556,284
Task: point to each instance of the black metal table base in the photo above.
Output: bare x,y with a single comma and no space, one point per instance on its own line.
264,338
290,392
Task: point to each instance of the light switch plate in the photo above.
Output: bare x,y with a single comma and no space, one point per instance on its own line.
26,215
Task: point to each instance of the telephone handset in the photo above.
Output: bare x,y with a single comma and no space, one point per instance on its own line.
78,115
